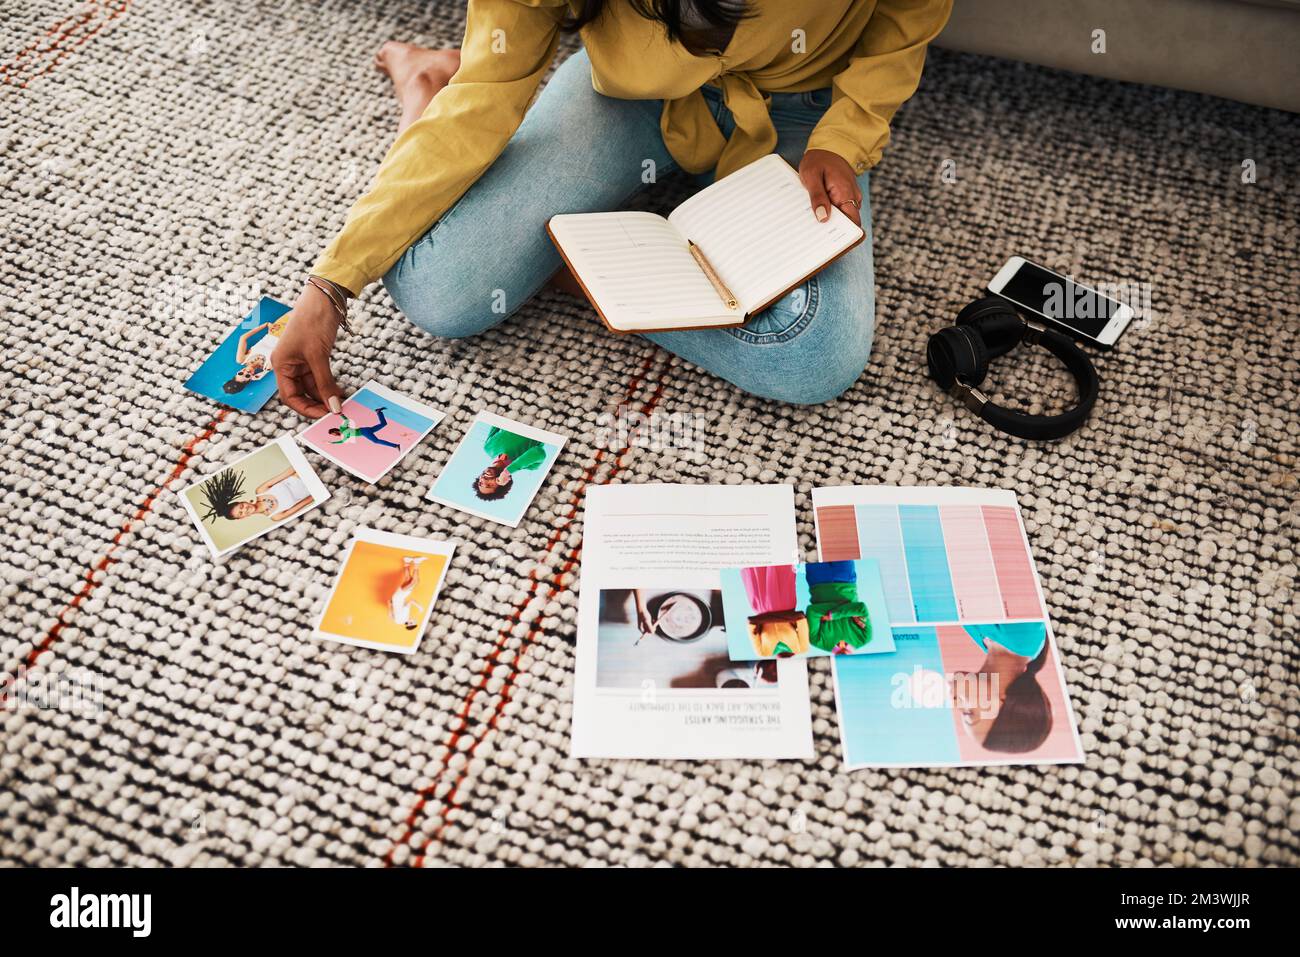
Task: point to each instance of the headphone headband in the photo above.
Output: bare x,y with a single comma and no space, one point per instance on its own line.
958,358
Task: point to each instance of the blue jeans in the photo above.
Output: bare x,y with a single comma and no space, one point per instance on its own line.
372,431
578,151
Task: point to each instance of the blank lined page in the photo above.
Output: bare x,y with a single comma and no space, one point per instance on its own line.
758,230
637,269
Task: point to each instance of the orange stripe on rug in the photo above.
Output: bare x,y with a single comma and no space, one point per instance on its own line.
98,15
112,15
558,587
109,558
8,68
503,637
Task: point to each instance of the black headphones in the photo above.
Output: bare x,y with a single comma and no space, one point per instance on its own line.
959,357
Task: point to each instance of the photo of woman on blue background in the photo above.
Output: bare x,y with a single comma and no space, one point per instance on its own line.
239,373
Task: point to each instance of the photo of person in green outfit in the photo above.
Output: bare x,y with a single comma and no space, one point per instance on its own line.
498,468
838,619
348,431
509,452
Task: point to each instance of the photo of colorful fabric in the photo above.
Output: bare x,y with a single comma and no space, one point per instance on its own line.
778,628
838,621
821,608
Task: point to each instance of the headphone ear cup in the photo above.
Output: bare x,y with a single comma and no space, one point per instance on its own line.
995,321
957,352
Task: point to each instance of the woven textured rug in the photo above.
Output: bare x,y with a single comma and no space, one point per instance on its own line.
165,163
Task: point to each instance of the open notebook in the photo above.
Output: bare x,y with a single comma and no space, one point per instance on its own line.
755,228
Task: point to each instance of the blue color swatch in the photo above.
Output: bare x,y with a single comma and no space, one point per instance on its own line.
927,563
880,720
879,537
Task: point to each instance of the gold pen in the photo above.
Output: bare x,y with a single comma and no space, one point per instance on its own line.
712,273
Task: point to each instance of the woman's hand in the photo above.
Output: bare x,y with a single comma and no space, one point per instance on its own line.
830,181
644,623
301,360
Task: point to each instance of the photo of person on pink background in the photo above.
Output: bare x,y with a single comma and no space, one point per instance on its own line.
374,430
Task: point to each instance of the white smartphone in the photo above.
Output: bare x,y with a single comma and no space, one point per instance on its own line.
1078,310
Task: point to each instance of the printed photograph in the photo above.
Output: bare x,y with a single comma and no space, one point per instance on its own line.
956,695
375,430
259,492
238,373
820,608
664,638
385,591
497,469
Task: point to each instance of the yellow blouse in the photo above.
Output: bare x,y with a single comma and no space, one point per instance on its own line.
869,51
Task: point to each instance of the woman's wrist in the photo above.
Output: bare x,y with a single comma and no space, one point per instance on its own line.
326,299
342,292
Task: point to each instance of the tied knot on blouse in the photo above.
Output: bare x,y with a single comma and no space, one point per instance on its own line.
693,138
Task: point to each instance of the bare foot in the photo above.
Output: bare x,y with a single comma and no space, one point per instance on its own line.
417,74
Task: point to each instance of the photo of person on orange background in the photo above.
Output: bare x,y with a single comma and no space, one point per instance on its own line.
385,591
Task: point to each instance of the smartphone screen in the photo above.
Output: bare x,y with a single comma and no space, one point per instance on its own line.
1060,299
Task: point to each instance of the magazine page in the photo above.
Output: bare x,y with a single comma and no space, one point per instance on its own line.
654,678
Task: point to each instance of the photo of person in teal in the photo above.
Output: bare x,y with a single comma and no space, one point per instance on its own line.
956,694
497,469
838,619
510,453
1018,718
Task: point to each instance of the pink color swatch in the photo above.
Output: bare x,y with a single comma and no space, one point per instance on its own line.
974,582
1011,560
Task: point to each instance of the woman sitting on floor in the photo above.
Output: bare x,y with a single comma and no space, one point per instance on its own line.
455,220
